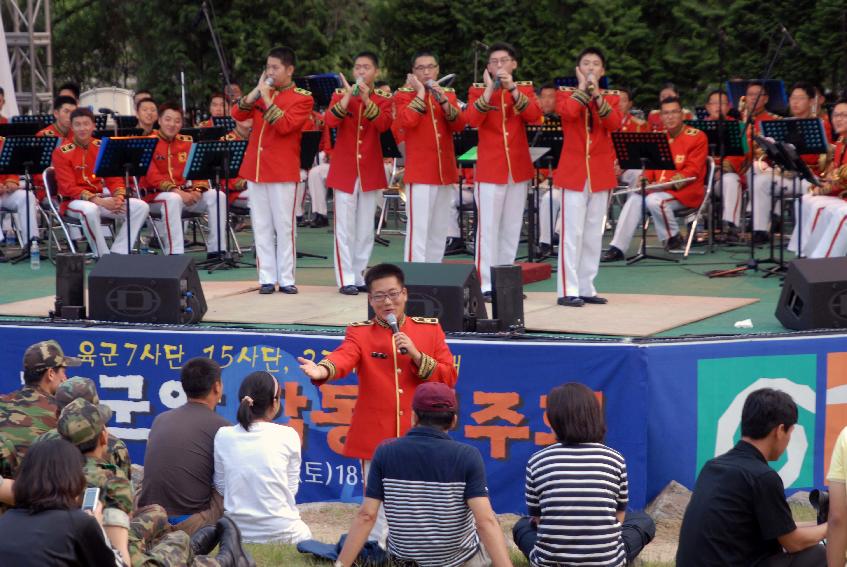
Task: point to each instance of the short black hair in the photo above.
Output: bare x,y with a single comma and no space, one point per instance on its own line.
575,414
33,376
765,409
255,396
50,477
144,91
370,55
144,100
198,376
384,271
502,46
2,91
755,83
438,419
591,51
217,95
82,111
170,105
70,86
60,101
626,90
717,92
423,53
669,85
285,54
671,100
380,84
804,86
548,85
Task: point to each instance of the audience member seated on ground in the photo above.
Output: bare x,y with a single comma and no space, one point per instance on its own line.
577,491
48,527
179,462
434,493
257,466
117,452
836,535
27,413
738,514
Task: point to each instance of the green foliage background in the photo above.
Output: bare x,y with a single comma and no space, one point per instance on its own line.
647,42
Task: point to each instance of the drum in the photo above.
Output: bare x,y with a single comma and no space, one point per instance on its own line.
113,98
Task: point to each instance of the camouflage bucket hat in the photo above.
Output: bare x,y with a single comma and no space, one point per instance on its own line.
81,421
75,388
47,354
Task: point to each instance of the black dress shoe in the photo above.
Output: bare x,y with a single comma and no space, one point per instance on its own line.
760,237
545,249
675,242
454,246
486,295
302,221
204,540
289,289
570,301
595,299
231,552
267,288
362,288
612,255
732,234
349,290
319,221
215,255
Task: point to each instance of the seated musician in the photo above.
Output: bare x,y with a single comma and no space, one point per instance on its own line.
217,107
13,198
87,197
147,114
547,212
729,186
690,148
3,119
169,193
654,119
828,209
629,123
61,128
317,179
238,193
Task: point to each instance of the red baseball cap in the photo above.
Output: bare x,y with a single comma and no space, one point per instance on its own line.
434,396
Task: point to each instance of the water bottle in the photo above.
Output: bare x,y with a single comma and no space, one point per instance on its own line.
34,255
144,244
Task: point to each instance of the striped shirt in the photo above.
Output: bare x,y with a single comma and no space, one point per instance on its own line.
576,491
424,481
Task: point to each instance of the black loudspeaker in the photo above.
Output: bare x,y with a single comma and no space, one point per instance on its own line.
70,286
145,289
507,297
814,294
450,292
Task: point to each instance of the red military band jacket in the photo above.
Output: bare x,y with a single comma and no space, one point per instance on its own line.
236,184
167,167
428,133
273,152
630,123
358,151
383,408
503,147
690,149
587,152
74,167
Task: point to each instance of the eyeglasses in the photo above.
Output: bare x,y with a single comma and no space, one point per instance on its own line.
501,61
381,297
671,112
839,114
426,68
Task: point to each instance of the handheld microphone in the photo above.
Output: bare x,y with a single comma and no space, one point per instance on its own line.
590,86
359,81
496,84
391,319
446,80
269,81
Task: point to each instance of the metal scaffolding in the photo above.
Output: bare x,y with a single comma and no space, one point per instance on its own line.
28,37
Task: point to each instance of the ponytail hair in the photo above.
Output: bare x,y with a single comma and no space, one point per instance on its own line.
256,395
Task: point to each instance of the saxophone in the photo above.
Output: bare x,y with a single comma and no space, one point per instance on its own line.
834,175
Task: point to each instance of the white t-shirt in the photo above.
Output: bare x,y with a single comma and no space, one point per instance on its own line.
258,473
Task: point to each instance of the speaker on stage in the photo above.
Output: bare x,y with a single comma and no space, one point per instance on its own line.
814,294
145,289
507,298
70,286
450,292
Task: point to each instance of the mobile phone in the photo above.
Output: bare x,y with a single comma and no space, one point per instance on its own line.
89,501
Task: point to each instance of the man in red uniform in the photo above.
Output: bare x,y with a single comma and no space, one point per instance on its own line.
87,197
429,115
586,174
61,128
356,172
238,193
690,148
271,166
3,119
169,193
147,113
501,108
317,178
654,119
629,123
217,107
728,186
387,376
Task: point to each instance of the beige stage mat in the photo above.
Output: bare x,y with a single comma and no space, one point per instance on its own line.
630,315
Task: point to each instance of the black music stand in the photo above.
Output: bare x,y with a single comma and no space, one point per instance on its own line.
643,150
463,141
390,149
121,133
550,137
100,121
310,144
21,156
217,160
19,129
43,119
125,157
322,87
225,122
208,134
126,121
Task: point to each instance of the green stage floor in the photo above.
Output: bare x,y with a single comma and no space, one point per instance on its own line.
19,282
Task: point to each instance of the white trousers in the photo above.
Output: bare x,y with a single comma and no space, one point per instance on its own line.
317,188
453,222
546,215
301,195
762,198
581,241
828,237
629,177
274,231
499,219
812,227
427,212
661,206
353,238
16,202
90,214
169,225
729,188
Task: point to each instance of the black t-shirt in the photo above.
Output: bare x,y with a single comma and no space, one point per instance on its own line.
737,512
51,538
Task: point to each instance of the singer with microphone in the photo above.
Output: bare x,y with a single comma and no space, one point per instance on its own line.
501,108
271,166
387,376
429,114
